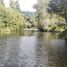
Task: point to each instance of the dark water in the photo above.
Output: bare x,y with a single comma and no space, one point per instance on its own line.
33,50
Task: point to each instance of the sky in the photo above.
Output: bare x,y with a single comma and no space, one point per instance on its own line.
25,5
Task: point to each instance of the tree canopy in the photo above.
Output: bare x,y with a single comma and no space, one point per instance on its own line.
10,19
59,7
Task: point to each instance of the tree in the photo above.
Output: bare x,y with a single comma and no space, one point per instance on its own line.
58,7
10,19
41,7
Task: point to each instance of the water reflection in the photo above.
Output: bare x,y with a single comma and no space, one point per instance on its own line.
35,50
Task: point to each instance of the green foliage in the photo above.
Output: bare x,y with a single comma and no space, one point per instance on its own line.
29,14
10,19
31,22
63,34
54,11
41,12
58,7
56,20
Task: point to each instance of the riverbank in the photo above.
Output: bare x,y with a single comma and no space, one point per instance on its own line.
62,32
29,29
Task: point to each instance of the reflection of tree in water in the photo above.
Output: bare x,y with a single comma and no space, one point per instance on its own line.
42,53
58,53
66,41
51,52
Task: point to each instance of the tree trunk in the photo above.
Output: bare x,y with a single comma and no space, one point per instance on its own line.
66,20
66,15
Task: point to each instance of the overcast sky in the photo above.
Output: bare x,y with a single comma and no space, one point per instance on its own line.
25,5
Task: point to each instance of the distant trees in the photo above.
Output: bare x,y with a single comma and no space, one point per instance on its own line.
14,4
30,22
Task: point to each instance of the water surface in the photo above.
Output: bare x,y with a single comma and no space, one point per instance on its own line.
33,49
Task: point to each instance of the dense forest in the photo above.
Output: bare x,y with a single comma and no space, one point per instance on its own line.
50,16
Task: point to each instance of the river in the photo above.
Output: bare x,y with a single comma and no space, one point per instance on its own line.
33,49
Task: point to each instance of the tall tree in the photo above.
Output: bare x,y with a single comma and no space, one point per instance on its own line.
59,7
41,12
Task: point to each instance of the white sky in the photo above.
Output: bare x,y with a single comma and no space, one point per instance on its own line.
25,5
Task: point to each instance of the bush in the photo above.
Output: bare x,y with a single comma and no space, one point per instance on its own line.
10,19
63,34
